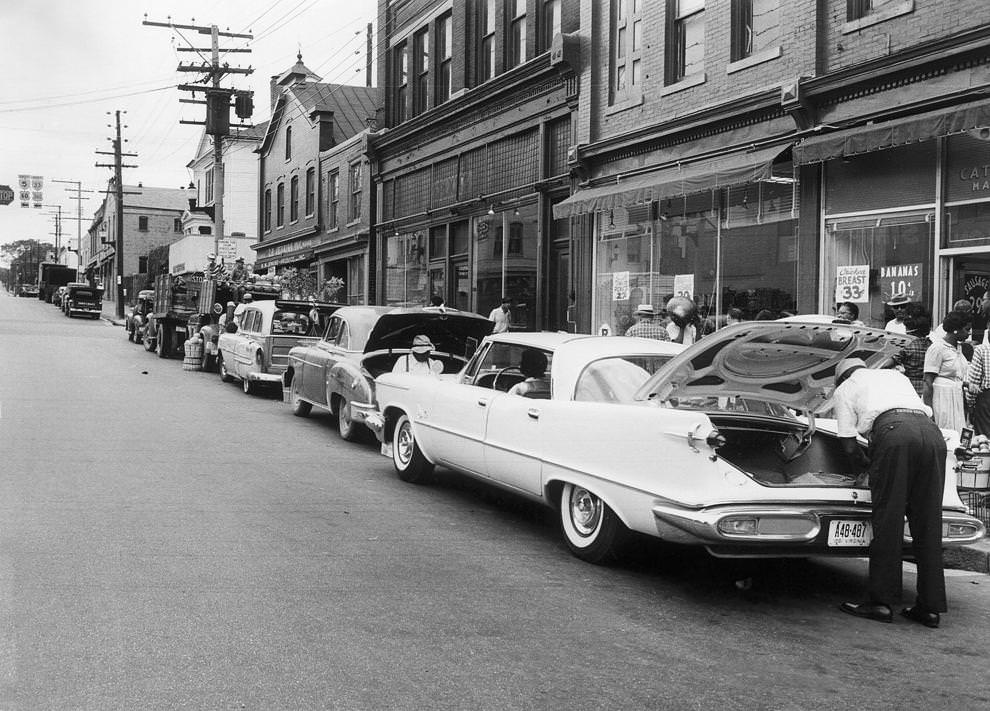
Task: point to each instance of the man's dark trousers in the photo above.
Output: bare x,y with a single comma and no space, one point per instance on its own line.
907,477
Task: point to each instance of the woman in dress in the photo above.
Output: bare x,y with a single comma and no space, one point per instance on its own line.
945,372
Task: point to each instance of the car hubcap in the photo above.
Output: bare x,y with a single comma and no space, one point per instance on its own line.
404,444
345,415
586,511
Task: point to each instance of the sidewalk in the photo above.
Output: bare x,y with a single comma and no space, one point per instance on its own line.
110,314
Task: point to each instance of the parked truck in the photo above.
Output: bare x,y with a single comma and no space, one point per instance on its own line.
176,300
52,275
214,295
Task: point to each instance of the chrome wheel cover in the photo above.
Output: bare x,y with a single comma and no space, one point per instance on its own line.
404,444
585,511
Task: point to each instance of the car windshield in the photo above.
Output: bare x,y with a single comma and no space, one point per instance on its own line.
616,379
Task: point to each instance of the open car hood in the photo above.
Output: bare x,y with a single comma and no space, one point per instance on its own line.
452,331
790,363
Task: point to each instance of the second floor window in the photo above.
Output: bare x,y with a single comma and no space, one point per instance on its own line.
401,81
333,199
294,198
755,27
177,224
627,49
288,142
516,12
268,210
856,9
549,23
421,68
486,40
209,185
280,205
310,191
445,54
143,223
686,39
355,184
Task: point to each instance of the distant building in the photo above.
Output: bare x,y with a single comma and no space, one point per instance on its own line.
309,121
152,218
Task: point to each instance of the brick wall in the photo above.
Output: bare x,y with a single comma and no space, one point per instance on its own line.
137,242
924,21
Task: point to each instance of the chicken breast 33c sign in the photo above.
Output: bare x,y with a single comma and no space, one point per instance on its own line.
897,279
852,283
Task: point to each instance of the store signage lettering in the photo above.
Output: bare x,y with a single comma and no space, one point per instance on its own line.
978,177
852,283
287,247
901,279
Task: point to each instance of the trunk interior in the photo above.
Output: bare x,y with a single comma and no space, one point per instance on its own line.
777,453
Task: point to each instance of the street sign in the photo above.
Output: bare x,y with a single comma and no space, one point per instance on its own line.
6,195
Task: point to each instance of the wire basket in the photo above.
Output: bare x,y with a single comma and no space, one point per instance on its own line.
978,503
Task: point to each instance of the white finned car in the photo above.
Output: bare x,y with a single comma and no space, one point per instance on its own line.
714,444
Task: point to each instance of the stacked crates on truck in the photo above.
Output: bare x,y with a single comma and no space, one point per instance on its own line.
176,300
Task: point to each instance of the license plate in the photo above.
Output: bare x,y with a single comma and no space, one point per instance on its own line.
849,533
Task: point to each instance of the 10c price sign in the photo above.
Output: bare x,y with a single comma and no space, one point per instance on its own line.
852,283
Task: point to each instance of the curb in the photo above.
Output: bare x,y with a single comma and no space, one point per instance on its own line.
974,557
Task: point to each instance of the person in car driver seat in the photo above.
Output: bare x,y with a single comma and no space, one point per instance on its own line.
533,364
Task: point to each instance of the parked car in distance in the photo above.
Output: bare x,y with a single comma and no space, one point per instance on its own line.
82,299
698,445
29,290
57,296
256,352
136,318
361,342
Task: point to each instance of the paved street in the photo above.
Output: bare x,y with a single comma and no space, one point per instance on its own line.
168,542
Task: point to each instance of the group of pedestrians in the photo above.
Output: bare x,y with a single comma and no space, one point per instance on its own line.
679,324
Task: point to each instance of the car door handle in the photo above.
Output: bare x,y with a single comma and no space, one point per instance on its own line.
482,402
534,414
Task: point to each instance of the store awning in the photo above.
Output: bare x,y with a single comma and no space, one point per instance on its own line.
673,181
889,134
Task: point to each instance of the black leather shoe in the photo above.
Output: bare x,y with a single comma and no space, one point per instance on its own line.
918,614
868,610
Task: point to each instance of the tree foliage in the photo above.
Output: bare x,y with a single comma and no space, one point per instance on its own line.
24,256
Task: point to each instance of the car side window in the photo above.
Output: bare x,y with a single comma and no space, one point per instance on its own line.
344,336
332,330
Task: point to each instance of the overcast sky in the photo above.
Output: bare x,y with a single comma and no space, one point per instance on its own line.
64,64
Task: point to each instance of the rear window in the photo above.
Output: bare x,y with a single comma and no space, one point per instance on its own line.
83,294
292,323
616,379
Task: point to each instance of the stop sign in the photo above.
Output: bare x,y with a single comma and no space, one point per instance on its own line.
6,195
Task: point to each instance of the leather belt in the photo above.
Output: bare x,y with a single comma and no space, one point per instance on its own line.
896,411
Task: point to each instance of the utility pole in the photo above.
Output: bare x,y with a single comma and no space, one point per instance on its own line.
58,231
217,102
79,218
117,165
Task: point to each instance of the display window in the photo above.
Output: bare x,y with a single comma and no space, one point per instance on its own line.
724,249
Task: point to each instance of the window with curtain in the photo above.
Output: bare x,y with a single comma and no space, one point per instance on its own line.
486,40
685,39
516,15
755,27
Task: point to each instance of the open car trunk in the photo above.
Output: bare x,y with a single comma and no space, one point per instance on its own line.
780,453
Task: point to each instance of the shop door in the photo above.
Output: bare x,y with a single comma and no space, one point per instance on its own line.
438,281
460,296
970,279
559,287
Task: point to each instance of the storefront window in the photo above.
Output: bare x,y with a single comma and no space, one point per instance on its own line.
506,260
733,248
405,269
891,252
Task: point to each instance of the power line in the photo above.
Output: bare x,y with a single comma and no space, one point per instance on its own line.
85,101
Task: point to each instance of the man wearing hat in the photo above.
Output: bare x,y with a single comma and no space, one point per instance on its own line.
906,468
418,361
645,326
899,303
239,273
